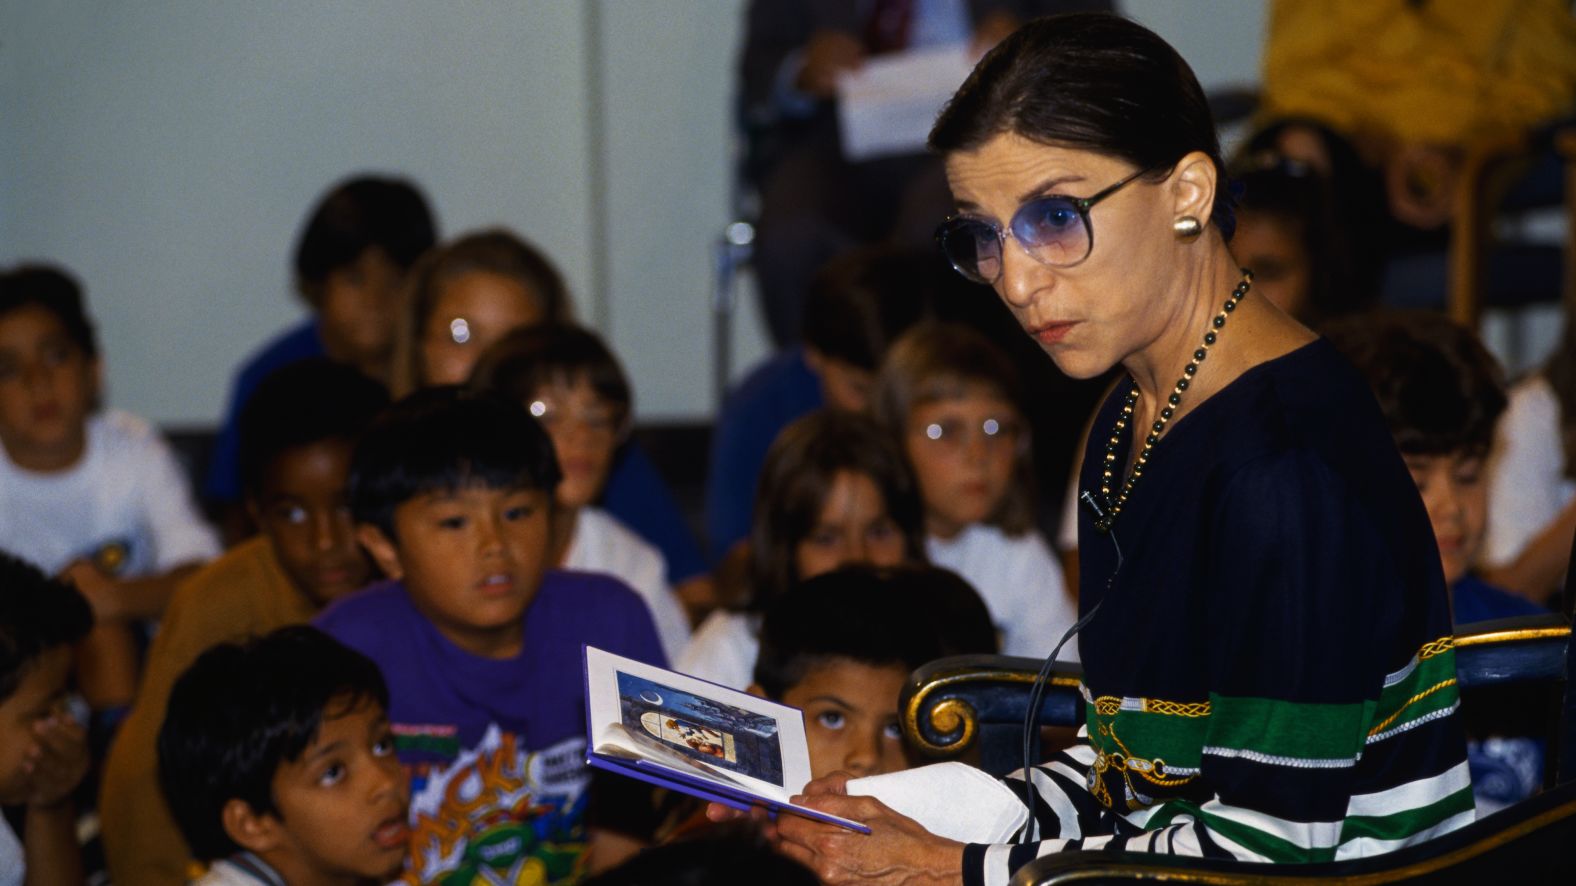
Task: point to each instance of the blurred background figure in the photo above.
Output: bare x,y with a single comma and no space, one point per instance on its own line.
814,202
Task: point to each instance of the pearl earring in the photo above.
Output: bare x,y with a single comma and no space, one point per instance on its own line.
1187,227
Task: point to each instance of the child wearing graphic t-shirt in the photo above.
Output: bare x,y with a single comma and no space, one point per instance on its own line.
480,642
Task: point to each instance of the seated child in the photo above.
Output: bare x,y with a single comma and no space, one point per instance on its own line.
277,760
351,261
841,645
93,494
950,400
574,386
1441,393
479,639
297,433
466,295
858,304
43,749
834,490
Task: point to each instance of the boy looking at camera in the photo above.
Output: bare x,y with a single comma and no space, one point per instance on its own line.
277,761
453,494
298,431
43,749
841,645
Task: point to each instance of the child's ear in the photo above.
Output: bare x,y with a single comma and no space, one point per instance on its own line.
254,832
382,548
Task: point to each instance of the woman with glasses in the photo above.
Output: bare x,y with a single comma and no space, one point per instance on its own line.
1265,633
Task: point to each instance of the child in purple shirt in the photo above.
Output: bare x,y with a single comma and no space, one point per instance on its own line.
480,643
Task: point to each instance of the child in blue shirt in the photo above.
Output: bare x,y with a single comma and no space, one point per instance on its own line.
453,494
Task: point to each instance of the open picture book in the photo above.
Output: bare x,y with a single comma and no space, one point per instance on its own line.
696,737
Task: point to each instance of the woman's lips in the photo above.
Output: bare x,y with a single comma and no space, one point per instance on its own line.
1052,333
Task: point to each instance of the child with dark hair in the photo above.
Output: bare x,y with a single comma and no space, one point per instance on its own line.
1288,233
93,494
471,292
950,399
277,760
479,639
1441,393
351,260
297,435
569,380
834,490
858,305
840,646
43,749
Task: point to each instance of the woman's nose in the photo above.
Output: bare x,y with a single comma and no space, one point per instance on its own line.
1021,276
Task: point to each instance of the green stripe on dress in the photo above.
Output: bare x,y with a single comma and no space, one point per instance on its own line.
1284,729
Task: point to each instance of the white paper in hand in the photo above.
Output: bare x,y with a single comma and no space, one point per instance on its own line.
888,105
951,800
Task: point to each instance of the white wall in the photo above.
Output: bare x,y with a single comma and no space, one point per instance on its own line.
167,152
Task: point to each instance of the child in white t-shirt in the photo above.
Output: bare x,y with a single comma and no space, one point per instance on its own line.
92,494
950,400
574,386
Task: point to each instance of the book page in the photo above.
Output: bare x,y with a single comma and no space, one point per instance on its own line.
659,715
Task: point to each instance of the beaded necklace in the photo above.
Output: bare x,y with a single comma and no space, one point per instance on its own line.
1113,506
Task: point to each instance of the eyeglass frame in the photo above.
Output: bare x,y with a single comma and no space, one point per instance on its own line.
1081,204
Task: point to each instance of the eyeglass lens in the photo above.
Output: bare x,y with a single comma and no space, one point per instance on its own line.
1051,229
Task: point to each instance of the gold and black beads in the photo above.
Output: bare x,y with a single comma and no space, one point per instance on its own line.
1113,505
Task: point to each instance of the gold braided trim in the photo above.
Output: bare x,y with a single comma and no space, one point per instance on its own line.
1437,647
1385,724
1111,705
1177,708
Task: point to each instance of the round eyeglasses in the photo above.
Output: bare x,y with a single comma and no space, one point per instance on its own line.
1053,230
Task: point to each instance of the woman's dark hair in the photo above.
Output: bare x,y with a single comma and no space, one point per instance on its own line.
366,212
57,292
903,616
520,363
37,613
1292,193
800,469
1440,390
494,251
446,439
243,710
301,404
1092,82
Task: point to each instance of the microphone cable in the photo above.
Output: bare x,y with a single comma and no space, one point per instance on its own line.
1042,681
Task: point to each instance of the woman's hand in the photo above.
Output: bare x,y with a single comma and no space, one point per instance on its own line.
896,851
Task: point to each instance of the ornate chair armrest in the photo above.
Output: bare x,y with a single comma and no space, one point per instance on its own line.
952,704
